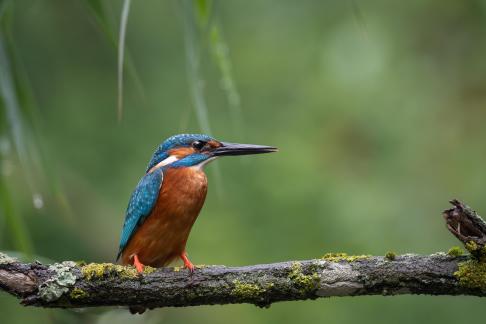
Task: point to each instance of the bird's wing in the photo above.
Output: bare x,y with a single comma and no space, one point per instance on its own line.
141,203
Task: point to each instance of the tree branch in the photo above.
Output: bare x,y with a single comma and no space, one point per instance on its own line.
69,285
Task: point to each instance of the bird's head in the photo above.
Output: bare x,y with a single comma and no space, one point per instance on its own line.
187,150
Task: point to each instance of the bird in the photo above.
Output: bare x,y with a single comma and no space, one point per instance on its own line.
168,198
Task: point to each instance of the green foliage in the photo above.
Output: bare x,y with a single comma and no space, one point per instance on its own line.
102,19
121,53
193,65
203,9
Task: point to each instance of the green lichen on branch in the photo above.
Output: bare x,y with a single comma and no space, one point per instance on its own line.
78,293
247,290
472,274
61,281
455,251
95,271
337,257
305,282
390,256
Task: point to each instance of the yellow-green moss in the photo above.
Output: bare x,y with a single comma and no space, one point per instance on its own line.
78,293
336,257
478,251
472,274
95,271
247,290
471,246
177,269
148,269
304,282
390,256
455,251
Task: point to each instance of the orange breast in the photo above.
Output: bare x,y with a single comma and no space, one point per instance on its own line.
163,235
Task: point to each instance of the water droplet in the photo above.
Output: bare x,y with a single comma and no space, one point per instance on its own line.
37,200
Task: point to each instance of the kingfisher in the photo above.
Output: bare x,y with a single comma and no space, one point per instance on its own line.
168,198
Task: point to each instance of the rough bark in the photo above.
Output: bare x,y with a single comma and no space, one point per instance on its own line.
69,285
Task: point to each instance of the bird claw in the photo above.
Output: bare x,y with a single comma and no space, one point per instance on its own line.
138,265
187,263
190,267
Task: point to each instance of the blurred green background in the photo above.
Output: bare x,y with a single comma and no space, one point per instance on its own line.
378,108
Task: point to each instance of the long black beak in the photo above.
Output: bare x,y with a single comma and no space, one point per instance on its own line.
241,149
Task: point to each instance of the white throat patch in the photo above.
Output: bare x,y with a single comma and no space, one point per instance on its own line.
203,163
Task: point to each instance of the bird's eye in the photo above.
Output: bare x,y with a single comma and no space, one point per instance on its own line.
198,144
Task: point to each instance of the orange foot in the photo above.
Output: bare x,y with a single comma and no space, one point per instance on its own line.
188,264
137,264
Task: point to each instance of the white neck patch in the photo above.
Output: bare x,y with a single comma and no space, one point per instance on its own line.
169,160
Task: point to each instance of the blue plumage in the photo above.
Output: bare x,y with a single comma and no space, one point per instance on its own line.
141,203
190,160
